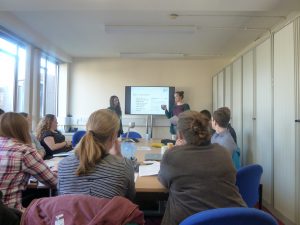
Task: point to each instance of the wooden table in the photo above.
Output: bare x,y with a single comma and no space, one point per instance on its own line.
143,184
148,183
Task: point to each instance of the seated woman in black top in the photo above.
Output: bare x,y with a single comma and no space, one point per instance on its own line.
51,139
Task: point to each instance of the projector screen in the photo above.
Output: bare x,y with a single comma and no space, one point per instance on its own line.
142,100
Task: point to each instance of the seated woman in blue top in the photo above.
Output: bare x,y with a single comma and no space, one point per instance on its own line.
51,139
98,168
178,108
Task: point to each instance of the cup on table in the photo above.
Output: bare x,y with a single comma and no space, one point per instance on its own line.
147,137
173,137
163,149
170,145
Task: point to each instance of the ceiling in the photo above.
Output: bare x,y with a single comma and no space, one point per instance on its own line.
147,28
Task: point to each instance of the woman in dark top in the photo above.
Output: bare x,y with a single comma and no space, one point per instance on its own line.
51,139
178,108
114,105
198,175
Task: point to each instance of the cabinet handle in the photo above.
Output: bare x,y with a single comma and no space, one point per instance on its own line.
297,121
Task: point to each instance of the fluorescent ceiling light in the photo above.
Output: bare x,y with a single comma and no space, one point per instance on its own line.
151,28
151,55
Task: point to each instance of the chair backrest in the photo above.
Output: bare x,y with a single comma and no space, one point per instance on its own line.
236,158
132,134
229,216
77,137
248,180
75,209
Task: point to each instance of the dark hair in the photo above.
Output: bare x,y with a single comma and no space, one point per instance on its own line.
222,116
180,94
117,108
24,114
206,113
194,127
13,125
2,111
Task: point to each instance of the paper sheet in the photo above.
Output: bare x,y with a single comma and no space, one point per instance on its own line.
149,170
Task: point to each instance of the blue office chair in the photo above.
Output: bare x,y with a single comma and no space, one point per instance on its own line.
230,216
236,158
248,182
132,134
77,137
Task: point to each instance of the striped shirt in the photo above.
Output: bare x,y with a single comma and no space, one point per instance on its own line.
111,177
17,163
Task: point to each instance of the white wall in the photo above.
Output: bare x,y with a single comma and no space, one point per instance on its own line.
93,81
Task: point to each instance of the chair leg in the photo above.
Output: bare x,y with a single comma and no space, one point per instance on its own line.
260,190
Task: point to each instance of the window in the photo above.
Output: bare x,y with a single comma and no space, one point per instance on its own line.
12,75
48,86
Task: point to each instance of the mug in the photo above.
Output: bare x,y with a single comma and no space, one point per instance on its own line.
163,149
170,145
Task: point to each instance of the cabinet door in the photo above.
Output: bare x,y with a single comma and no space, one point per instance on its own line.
227,91
248,140
221,89
284,122
264,117
236,110
215,92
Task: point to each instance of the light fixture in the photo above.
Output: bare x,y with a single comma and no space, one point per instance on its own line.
176,15
150,28
148,55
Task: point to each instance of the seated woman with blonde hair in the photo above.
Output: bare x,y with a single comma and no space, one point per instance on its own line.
199,175
19,160
97,168
51,139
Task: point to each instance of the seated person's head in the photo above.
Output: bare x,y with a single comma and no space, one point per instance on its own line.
221,117
101,132
206,114
13,125
193,127
48,122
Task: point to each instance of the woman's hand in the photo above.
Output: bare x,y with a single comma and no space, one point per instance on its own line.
180,142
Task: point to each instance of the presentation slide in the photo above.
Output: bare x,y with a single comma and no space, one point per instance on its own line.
147,100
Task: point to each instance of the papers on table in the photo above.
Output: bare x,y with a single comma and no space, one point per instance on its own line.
149,170
63,154
135,176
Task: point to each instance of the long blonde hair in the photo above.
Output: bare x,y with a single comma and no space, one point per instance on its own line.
13,125
194,127
102,125
44,125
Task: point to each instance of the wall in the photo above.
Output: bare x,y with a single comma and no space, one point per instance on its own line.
93,81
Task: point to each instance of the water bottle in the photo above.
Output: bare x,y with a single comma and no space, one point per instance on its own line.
128,149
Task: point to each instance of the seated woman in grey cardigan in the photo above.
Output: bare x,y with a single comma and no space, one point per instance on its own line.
222,136
199,175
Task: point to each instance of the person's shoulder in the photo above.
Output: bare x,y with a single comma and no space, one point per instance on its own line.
47,133
69,160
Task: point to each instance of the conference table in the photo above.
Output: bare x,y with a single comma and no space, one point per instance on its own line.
143,184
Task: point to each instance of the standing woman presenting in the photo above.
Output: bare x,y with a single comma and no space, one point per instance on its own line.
178,108
114,105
